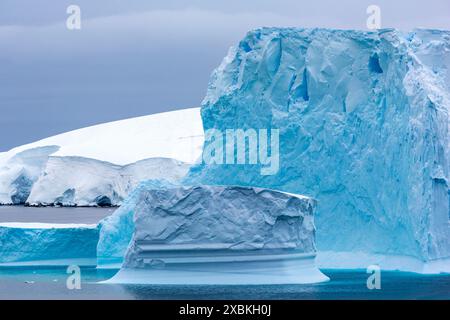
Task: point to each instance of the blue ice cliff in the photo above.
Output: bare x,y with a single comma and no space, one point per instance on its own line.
364,128
219,235
47,244
117,230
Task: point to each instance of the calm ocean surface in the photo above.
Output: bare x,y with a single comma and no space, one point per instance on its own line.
50,283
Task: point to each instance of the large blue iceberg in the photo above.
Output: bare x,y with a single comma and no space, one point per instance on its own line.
364,128
220,235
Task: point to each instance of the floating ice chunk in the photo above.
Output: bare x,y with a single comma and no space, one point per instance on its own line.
220,235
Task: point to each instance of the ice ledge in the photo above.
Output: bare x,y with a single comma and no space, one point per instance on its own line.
294,268
361,260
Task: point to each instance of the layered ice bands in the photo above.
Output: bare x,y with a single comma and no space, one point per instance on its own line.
47,244
364,128
220,235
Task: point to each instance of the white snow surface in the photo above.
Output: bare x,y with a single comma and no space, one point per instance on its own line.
102,163
176,134
70,181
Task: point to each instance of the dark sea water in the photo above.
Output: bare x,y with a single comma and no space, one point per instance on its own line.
50,283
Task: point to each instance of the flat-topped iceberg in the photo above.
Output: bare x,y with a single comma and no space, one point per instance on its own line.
218,235
47,244
363,121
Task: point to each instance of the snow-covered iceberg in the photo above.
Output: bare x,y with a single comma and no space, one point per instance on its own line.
100,165
70,181
219,235
364,128
47,244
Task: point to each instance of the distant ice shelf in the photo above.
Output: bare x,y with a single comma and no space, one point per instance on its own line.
75,181
100,165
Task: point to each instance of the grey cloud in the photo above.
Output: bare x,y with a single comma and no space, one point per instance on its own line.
139,57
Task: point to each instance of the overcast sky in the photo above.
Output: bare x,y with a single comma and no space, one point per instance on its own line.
134,58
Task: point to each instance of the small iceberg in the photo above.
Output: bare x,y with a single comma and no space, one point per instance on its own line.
47,244
218,235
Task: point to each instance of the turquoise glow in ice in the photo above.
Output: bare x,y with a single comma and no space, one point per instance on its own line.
117,230
364,128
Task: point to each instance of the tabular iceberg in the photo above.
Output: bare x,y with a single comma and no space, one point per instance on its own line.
364,128
47,244
219,235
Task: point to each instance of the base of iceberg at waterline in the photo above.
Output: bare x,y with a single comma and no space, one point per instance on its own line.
242,269
361,260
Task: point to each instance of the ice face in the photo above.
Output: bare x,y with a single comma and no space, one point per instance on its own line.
117,230
37,242
20,172
364,128
206,217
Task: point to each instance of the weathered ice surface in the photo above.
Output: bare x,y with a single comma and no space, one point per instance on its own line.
234,218
117,230
42,243
364,128
19,172
223,234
